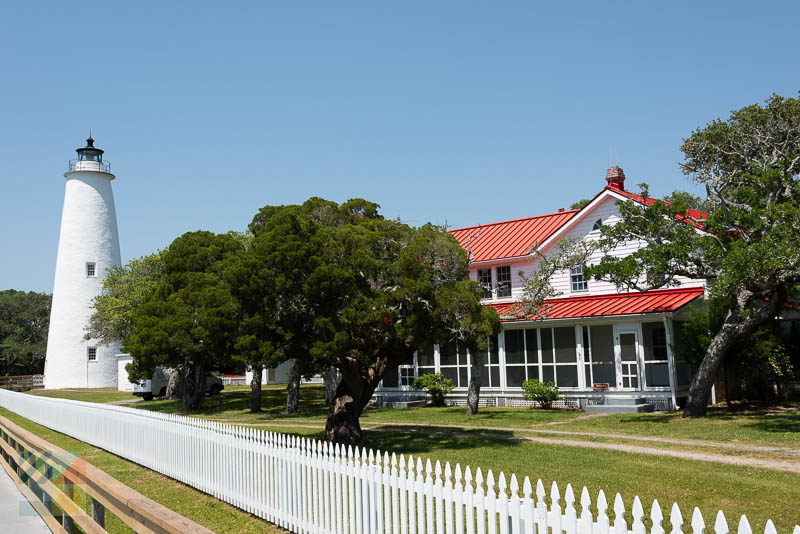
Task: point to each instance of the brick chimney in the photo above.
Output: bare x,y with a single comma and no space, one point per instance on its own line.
615,177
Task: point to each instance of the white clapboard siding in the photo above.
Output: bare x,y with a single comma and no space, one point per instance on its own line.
308,486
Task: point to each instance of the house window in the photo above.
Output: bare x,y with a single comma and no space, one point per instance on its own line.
426,362
90,269
490,374
579,283
454,364
597,224
656,367
407,375
504,281
91,353
485,280
546,354
522,356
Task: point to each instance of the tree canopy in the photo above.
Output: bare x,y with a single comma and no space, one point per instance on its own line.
188,318
24,321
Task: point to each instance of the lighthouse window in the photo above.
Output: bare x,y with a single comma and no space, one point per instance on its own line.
90,269
91,353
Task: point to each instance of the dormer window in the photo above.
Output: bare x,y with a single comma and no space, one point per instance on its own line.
597,224
579,283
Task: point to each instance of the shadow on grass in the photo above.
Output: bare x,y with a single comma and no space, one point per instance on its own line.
410,441
237,401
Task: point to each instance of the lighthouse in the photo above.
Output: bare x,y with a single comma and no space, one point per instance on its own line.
87,246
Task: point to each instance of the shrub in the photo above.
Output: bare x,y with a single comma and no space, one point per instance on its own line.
545,393
437,385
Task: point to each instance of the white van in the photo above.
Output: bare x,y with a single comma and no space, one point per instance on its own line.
157,385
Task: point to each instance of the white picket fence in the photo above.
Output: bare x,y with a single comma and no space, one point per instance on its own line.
309,486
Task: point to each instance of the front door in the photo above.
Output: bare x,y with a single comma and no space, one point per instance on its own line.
627,356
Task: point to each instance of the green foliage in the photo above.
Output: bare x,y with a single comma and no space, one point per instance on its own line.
190,317
437,385
124,289
579,204
545,393
24,321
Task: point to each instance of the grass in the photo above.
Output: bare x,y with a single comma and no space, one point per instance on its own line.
752,425
761,494
102,395
199,507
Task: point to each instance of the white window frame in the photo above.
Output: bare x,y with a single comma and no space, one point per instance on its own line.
487,289
498,285
91,354
577,282
93,266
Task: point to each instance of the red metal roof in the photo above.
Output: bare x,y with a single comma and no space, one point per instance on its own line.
509,239
694,217
658,301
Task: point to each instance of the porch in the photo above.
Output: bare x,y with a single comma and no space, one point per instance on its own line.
593,361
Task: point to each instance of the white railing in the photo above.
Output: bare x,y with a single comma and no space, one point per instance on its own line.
310,486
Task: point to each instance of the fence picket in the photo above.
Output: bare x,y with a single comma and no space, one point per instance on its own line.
721,524
570,523
676,519
698,525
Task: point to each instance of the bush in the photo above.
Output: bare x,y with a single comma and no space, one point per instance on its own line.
545,393
437,385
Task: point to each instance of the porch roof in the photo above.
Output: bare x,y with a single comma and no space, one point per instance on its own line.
658,301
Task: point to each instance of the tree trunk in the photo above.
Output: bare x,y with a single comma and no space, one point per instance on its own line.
474,390
293,389
332,378
352,395
194,385
734,328
174,384
255,389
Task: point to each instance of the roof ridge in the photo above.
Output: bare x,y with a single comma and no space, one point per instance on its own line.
513,220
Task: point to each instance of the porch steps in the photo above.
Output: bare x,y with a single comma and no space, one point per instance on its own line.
618,405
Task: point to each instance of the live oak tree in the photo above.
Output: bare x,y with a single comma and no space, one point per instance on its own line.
189,319
747,245
388,289
24,320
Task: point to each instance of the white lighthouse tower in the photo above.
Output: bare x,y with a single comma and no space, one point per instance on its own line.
87,247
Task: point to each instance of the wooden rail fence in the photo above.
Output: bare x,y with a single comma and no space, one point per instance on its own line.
48,475
22,382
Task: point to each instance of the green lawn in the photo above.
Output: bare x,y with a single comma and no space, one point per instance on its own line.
760,426
199,507
88,395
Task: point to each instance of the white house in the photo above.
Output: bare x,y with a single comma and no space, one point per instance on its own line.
605,350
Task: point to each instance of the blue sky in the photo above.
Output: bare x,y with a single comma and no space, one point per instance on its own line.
450,112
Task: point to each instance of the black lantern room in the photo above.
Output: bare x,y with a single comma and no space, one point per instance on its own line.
89,152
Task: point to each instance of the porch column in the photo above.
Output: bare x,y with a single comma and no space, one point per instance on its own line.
673,377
